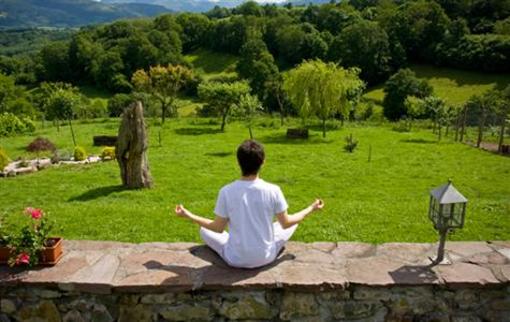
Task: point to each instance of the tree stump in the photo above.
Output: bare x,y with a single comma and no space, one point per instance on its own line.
131,149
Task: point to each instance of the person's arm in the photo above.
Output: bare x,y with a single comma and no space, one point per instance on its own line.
217,225
287,221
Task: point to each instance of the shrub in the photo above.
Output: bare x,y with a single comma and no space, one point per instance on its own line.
350,144
29,125
401,85
60,155
404,125
108,153
4,159
40,144
10,125
118,103
79,154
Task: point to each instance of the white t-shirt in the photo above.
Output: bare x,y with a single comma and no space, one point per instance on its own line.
250,206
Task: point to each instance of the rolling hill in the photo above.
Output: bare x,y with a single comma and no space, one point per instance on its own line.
69,13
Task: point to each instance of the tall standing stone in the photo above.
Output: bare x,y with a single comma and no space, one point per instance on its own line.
131,149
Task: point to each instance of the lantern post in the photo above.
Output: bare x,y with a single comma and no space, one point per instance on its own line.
447,210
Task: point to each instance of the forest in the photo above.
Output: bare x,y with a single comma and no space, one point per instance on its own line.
377,39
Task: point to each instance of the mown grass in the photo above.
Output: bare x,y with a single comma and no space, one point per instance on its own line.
453,85
379,201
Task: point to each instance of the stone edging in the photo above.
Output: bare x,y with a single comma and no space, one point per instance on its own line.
112,267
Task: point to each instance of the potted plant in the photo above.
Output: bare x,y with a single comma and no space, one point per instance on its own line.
4,244
32,245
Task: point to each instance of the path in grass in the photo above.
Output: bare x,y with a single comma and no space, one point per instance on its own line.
381,201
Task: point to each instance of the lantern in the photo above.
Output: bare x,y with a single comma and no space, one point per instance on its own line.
447,210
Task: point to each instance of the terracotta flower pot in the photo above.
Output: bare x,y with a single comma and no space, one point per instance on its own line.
50,255
4,254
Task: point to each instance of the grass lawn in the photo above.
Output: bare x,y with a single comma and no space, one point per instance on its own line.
453,85
212,63
379,201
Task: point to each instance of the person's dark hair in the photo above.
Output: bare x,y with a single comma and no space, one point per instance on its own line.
250,155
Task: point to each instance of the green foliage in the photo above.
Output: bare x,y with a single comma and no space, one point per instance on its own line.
52,63
40,144
108,153
418,26
194,30
163,84
63,102
11,125
350,143
401,85
502,27
299,42
221,98
365,45
321,89
4,160
247,108
13,98
117,104
479,52
79,153
257,65
29,238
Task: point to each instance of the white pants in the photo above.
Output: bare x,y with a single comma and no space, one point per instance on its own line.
217,241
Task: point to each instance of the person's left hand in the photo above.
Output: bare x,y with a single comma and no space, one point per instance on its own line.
180,211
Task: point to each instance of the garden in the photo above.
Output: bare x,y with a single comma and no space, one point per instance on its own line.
369,130
378,193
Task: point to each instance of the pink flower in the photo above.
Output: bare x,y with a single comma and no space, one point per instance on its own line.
34,212
23,258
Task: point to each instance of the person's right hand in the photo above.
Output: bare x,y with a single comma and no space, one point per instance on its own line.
181,211
318,204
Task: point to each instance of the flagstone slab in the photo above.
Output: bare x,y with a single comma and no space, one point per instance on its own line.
468,248
465,274
106,267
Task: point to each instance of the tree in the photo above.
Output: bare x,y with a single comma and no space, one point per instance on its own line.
163,84
365,45
117,103
194,30
419,26
53,62
62,105
248,107
321,89
7,92
401,85
482,106
223,97
257,66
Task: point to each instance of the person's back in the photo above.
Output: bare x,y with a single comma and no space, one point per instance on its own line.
250,206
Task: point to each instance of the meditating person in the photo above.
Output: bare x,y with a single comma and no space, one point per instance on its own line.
248,206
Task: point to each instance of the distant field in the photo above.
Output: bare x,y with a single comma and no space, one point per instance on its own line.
212,63
379,201
453,85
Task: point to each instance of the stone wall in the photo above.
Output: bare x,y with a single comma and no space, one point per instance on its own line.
358,303
107,281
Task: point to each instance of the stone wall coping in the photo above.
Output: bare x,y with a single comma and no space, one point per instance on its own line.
104,267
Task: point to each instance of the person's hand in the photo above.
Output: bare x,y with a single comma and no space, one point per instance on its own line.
180,211
318,204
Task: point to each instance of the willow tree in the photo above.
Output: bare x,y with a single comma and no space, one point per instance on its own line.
163,84
321,89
